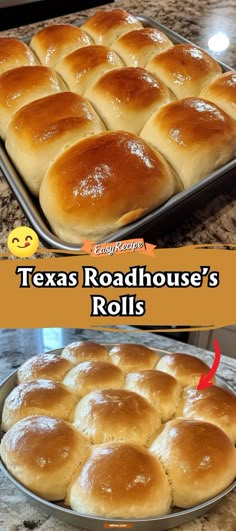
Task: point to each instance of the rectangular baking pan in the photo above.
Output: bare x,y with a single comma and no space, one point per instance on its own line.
161,523
164,218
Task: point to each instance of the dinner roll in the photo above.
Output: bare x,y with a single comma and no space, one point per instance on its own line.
116,415
91,375
48,365
120,480
185,368
131,357
21,86
194,135
222,91
185,69
160,389
106,26
14,53
54,42
212,404
39,397
126,97
107,197
137,47
82,68
46,127
43,453
80,351
199,459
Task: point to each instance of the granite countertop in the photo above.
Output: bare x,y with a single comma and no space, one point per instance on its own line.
16,513
197,21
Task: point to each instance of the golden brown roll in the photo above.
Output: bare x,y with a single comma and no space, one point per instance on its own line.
39,397
116,415
212,404
43,454
106,26
185,69
222,91
199,459
160,389
86,192
137,47
91,375
194,135
120,480
54,42
126,97
22,85
44,128
14,53
47,366
82,68
80,351
131,357
185,368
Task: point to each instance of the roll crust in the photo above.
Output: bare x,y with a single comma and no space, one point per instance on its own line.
212,404
137,47
131,357
120,480
91,375
222,92
160,389
107,197
82,68
47,366
43,453
81,351
44,128
185,69
197,454
194,135
106,26
54,42
185,368
39,397
15,53
22,85
116,415
126,97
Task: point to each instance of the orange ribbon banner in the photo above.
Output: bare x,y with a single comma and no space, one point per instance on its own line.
124,246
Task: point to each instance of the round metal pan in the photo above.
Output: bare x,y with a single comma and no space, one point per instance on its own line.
93,523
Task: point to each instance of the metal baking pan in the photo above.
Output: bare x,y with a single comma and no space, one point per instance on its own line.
164,218
93,523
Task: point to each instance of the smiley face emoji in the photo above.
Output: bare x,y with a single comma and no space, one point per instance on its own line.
22,242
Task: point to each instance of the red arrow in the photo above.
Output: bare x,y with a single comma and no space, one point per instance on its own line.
205,379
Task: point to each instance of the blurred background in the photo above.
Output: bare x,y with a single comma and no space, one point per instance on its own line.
20,12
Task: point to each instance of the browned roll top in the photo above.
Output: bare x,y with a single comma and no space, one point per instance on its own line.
14,53
103,183
54,42
106,26
120,480
133,357
185,69
222,91
138,46
48,365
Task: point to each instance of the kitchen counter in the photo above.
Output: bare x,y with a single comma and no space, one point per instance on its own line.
197,21
16,513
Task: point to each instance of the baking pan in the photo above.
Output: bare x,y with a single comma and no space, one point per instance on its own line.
164,218
161,523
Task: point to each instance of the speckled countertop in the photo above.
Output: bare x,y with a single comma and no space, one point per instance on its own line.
198,21
16,513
